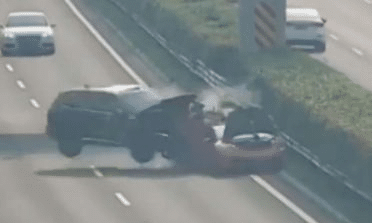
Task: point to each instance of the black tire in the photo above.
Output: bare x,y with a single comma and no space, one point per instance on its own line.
70,148
142,156
141,151
4,53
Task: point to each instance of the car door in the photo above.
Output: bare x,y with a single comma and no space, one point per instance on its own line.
101,107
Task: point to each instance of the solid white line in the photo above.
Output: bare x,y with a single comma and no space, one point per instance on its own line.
21,84
34,103
315,197
122,199
113,53
283,199
9,67
96,172
333,37
357,51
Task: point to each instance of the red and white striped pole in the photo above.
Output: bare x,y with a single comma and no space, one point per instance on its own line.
262,24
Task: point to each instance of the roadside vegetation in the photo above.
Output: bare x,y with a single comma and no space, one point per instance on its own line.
327,96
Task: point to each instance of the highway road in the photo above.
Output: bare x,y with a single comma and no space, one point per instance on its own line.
104,184
349,36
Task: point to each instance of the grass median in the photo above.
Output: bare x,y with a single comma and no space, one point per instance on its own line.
327,95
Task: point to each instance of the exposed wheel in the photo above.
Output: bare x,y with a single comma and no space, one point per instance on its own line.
4,53
141,149
142,156
70,148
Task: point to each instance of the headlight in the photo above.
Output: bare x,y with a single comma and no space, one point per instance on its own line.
9,35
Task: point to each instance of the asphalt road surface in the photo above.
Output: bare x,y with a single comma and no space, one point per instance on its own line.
104,184
349,36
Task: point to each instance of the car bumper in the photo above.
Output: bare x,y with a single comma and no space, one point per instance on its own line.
37,48
271,158
304,44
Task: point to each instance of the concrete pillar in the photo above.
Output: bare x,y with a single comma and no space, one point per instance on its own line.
261,24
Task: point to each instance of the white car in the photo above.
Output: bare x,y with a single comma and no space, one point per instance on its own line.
305,29
27,33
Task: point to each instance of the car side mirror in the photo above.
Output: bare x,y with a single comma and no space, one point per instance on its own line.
324,20
53,25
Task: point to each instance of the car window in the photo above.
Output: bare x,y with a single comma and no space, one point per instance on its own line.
26,20
100,101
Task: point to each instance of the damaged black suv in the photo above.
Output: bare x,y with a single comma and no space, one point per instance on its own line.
122,115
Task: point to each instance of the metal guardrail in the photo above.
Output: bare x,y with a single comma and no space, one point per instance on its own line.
218,82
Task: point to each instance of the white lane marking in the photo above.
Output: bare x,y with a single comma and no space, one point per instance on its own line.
357,51
9,67
119,196
21,84
315,197
34,103
113,53
122,199
307,218
333,37
96,172
368,1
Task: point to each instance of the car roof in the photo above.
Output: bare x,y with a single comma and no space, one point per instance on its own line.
26,13
115,89
134,98
303,14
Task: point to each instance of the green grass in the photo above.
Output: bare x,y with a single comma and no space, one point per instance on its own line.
211,20
322,90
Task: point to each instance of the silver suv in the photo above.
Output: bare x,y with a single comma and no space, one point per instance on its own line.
27,32
305,29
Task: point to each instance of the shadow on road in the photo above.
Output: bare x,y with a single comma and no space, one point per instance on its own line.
174,172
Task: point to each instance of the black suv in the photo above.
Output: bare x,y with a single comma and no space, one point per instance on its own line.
125,115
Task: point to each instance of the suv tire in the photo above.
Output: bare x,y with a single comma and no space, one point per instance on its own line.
141,151
70,148
4,53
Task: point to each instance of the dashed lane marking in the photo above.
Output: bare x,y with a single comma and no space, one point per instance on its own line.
333,37
96,172
122,199
357,51
21,84
9,67
34,103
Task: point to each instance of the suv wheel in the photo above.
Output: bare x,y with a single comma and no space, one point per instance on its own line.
141,151
70,148
4,53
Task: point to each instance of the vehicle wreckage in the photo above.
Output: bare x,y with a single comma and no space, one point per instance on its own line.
135,117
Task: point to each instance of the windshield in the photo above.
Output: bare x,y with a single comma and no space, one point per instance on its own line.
26,20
